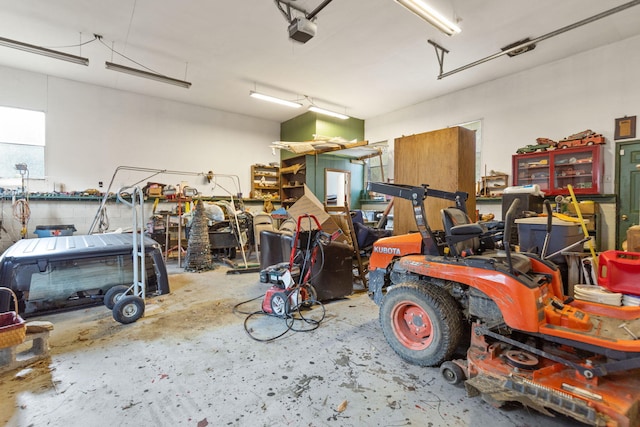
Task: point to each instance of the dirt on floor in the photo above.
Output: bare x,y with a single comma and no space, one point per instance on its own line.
190,361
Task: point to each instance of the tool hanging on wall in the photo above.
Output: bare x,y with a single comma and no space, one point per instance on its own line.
21,210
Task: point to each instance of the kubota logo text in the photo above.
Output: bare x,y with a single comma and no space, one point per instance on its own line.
386,250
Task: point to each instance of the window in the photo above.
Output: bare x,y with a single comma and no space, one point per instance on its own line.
22,141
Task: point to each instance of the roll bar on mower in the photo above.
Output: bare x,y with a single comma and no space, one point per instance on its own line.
416,195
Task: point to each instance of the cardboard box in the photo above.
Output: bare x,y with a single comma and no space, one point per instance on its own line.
309,204
633,238
586,208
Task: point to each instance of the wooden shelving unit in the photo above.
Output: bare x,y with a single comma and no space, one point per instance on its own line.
293,178
492,185
265,182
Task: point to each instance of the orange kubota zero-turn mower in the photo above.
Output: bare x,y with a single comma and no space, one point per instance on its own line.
529,343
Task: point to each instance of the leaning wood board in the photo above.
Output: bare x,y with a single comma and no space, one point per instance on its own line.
445,160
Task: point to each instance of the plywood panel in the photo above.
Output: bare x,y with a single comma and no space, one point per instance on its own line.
443,159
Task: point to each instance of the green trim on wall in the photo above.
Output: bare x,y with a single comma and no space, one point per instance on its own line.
304,126
350,129
300,128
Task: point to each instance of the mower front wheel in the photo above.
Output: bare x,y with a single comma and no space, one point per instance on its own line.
452,373
421,322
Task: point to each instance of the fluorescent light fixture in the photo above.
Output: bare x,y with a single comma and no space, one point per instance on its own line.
430,15
273,99
43,51
147,75
328,113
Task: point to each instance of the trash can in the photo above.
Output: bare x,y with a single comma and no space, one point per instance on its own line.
54,230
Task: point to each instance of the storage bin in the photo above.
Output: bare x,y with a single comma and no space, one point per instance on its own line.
532,232
54,230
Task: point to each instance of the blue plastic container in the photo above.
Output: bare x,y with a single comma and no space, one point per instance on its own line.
54,230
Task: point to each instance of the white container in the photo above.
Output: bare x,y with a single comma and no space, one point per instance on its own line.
524,189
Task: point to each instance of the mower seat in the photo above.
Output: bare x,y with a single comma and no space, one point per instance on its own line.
460,233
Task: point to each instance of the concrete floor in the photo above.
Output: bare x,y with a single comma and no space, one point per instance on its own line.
190,362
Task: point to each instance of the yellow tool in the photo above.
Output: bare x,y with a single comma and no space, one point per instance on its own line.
582,223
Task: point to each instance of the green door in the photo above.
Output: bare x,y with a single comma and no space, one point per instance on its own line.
628,184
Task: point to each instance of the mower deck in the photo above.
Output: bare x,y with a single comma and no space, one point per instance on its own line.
614,328
502,373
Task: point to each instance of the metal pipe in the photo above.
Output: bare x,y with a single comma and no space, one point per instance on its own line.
317,10
291,5
544,37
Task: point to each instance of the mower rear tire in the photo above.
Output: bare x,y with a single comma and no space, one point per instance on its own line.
421,322
112,296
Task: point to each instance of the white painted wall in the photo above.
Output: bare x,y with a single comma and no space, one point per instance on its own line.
91,130
585,91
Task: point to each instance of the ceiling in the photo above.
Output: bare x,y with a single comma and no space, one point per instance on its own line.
368,58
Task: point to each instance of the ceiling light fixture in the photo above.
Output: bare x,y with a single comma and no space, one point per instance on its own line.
328,113
273,99
430,15
146,74
43,51
528,45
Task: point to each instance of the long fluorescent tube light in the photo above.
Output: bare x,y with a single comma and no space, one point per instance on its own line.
147,75
328,112
430,15
26,47
273,99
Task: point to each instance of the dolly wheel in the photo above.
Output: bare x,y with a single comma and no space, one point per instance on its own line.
421,322
114,294
280,304
452,373
128,309
308,295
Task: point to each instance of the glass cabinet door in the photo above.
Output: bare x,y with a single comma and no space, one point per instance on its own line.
576,168
532,169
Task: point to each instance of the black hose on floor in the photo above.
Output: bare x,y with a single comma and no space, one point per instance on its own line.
289,319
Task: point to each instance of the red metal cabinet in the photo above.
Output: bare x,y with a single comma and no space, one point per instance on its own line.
582,167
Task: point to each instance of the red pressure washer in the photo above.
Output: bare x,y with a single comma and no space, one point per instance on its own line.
285,295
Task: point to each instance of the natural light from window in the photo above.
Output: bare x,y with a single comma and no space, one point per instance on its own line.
22,141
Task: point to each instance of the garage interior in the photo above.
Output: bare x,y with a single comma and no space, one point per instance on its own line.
270,162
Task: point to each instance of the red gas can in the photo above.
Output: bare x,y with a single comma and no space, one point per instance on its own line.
619,271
